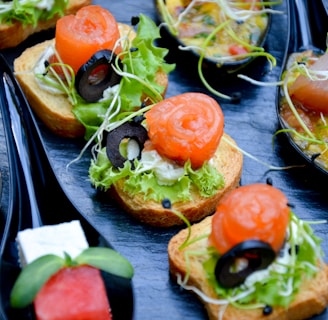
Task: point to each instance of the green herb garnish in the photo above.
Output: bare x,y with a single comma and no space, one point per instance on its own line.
207,180
30,11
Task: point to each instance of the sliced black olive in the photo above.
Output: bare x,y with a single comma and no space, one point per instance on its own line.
238,263
128,130
96,75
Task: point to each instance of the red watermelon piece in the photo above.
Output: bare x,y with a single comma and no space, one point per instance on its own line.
73,293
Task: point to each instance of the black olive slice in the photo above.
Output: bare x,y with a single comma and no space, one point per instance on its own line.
238,263
96,75
128,130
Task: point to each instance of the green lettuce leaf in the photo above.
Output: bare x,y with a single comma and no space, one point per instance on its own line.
27,12
147,184
90,115
206,180
144,63
103,175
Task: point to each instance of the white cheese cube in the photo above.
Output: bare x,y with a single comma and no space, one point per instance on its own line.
51,239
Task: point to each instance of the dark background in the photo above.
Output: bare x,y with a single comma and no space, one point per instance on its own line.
252,123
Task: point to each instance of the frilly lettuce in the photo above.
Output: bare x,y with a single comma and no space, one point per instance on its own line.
144,63
30,11
207,180
283,279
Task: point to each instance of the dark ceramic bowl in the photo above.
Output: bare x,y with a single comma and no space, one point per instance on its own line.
191,57
307,31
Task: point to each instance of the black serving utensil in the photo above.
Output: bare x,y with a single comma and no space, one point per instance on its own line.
36,198
191,57
306,19
0,188
304,16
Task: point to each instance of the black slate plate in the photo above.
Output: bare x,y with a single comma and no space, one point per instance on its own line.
251,123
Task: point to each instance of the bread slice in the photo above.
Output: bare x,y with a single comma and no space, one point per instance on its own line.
312,298
55,111
228,161
13,34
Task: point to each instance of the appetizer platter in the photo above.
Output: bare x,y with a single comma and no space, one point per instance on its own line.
251,122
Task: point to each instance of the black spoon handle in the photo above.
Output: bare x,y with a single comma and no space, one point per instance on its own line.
304,15
304,33
53,203
19,133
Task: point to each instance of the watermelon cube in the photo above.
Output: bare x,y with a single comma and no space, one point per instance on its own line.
73,293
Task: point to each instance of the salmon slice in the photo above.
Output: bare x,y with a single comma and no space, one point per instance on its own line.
257,211
79,36
187,126
312,94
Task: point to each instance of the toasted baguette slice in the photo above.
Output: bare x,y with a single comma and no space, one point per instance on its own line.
312,298
55,111
228,161
13,34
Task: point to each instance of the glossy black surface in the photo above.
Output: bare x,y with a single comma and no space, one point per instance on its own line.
258,254
252,123
30,170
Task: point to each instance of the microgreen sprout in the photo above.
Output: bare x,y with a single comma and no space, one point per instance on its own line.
166,203
269,166
188,254
51,79
213,300
68,86
168,19
232,9
156,96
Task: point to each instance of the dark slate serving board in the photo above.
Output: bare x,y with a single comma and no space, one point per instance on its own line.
252,123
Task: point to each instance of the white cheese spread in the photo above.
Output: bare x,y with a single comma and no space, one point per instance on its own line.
166,171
